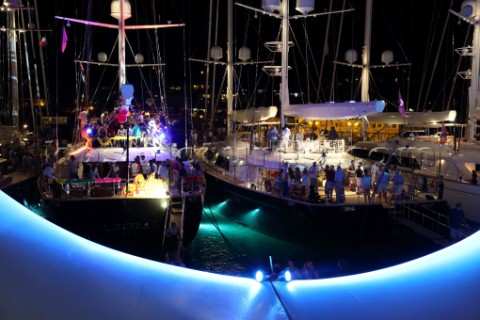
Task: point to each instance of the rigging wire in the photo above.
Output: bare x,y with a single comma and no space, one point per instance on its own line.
436,58
324,54
426,60
213,103
337,49
207,65
452,88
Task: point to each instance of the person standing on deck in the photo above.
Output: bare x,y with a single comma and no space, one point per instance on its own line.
72,167
330,183
181,174
441,186
286,133
474,177
135,167
398,181
272,138
175,168
374,171
122,133
297,176
456,217
137,135
152,166
305,177
93,174
332,135
339,181
144,166
366,185
383,181
358,177
313,174
351,175
114,170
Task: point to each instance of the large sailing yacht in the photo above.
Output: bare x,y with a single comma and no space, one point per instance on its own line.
242,176
441,165
131,207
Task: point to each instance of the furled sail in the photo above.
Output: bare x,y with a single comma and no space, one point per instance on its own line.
333,110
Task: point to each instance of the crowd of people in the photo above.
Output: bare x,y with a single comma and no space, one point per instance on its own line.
20,159
375,183
143,129
171,171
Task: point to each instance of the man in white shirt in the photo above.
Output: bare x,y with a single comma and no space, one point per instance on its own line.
286,133
313,173
121,132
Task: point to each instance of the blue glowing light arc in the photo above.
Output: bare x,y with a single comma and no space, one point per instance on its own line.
53,274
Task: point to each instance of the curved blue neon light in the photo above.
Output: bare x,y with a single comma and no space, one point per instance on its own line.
49,273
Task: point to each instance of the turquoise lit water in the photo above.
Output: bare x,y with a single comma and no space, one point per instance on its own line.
228,247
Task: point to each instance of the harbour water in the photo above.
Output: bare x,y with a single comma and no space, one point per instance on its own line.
225,246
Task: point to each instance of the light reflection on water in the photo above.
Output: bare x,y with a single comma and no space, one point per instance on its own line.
225,246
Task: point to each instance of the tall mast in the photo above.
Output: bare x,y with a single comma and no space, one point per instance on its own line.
473,92
470,13
122,78
366,51
230,68
284,99
366,61
12,53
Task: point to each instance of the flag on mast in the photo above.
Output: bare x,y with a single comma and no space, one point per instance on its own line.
64,39
401,106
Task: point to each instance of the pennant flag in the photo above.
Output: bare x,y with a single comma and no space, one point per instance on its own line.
401,106
443,135
64,39
82,70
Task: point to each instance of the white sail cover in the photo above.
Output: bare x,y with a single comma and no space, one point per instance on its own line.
49,273
416,119
253,115
333,110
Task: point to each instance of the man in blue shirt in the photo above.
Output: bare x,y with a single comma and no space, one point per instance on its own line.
456,218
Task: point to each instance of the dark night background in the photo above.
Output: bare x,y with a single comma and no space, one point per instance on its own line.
414,30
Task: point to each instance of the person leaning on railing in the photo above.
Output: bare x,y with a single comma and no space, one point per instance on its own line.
48,175
121,132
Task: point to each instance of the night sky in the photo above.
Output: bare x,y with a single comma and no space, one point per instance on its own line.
411,29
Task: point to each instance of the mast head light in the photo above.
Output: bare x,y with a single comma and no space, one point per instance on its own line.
139,59
305,6
468,8
102,57
216,53
12,3
115,9
351,56
387,57
271,5
244,54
